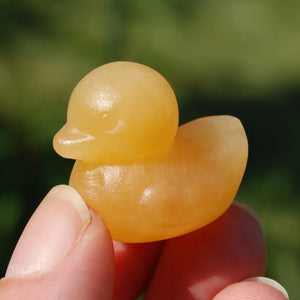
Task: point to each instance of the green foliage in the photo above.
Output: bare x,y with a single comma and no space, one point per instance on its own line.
221,57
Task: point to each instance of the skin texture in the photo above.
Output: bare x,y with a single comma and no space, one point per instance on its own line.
233,247
88,269
249,290
135,264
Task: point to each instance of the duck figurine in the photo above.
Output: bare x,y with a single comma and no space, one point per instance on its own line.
148,178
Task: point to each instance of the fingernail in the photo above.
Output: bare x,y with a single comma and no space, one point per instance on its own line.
249,210
51,233
271,283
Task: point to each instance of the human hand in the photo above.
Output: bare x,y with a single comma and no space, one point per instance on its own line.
66,252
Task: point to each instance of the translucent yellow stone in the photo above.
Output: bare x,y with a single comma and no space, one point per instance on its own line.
148,179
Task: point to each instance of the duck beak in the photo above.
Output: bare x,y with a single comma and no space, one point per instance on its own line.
69,142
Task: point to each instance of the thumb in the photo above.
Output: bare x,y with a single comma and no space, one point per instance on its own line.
64,252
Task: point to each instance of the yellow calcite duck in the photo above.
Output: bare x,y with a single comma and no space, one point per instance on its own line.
148,179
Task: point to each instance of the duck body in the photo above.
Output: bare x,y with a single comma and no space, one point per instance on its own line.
188,187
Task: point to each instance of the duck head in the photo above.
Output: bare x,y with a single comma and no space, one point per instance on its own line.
121,112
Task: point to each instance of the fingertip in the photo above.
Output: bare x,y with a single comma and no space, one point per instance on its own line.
270,282
51,232
253,288
78,245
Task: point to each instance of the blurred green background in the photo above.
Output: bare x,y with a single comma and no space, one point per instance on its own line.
221,57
